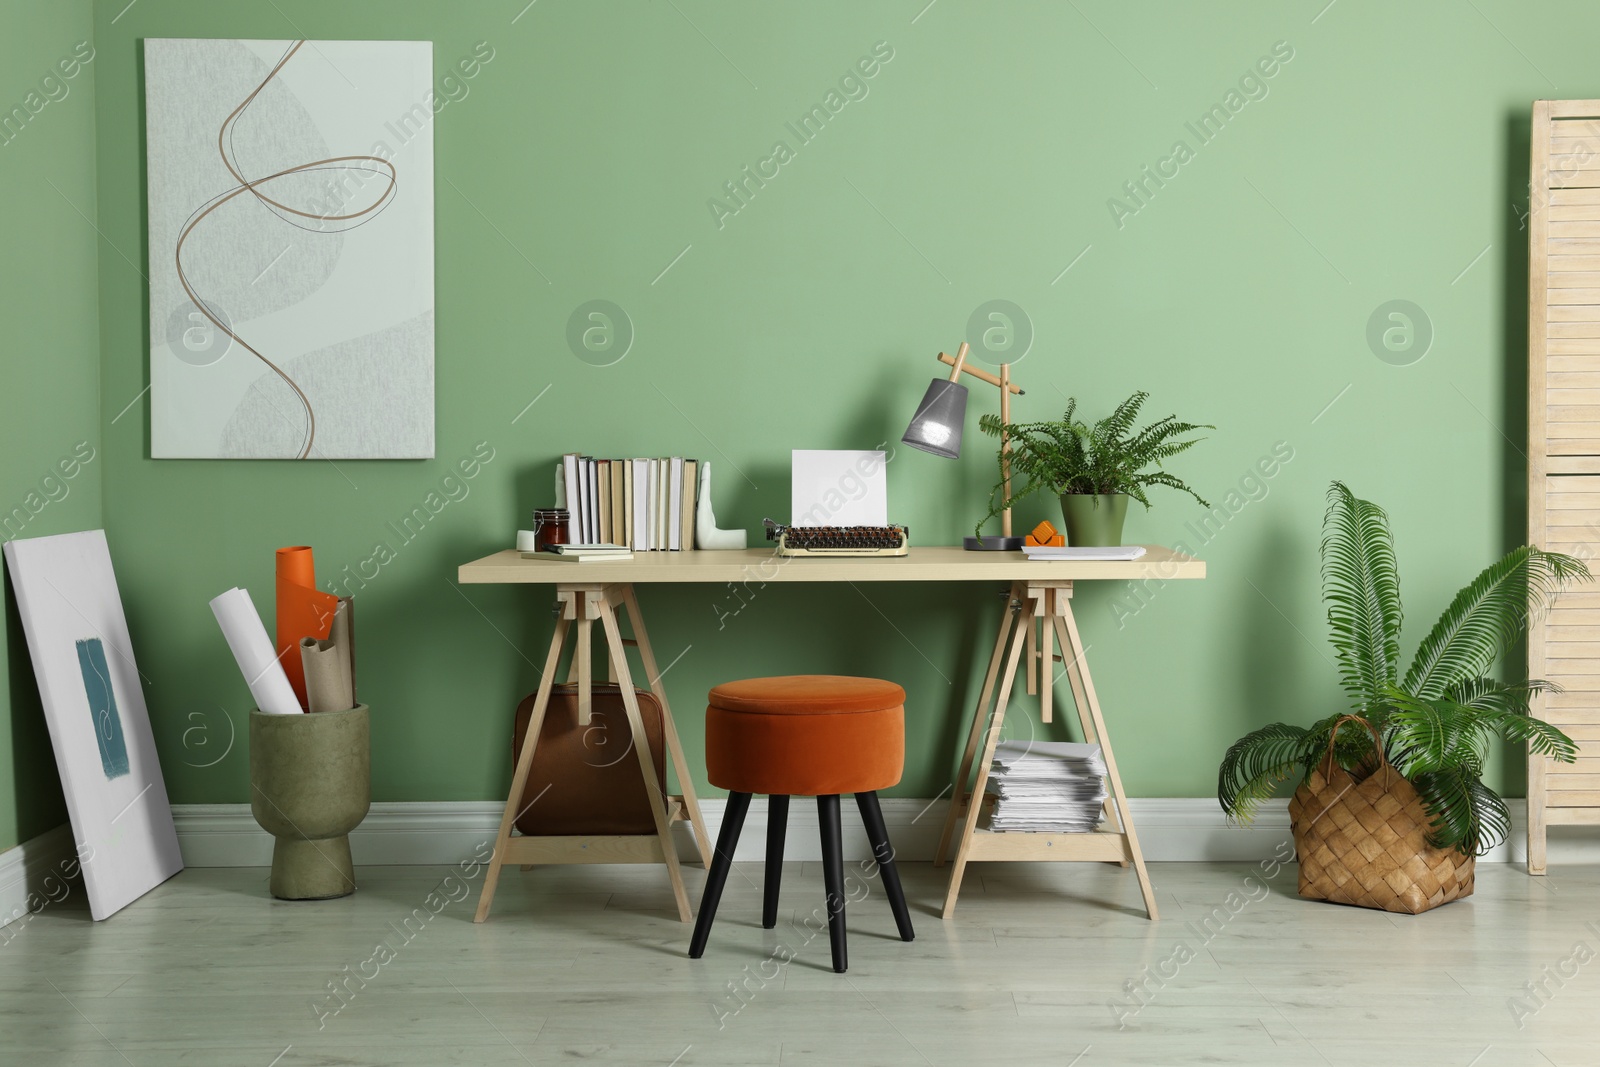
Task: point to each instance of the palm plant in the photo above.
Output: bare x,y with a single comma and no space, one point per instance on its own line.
1072,456
1437,720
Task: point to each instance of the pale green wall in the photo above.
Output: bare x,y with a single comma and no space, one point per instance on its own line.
50,401
1387,155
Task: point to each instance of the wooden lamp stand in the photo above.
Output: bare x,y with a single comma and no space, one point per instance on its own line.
958,366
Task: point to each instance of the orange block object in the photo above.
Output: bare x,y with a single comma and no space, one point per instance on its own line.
303,611
1045,534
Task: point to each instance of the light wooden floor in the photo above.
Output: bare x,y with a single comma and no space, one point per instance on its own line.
587,965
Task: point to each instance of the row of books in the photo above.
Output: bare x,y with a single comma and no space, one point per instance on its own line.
646,505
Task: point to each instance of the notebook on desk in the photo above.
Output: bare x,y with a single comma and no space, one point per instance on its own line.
581,553
1115,552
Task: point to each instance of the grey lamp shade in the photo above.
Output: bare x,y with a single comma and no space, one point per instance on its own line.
936,427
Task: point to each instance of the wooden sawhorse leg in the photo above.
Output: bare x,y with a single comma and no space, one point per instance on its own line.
991,736
680,766
958,794
1072,651
1080,700
1050,604
584,605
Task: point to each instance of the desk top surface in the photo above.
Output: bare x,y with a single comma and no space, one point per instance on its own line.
931,564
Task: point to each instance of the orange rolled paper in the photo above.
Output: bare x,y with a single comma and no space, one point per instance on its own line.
303,612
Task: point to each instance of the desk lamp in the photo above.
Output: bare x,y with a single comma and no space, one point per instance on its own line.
936,428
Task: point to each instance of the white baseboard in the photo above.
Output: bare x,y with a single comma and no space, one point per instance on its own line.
1185,828
24,870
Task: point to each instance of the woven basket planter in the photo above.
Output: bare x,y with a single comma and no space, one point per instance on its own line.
1365,842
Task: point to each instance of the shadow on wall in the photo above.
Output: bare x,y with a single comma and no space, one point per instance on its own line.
1283,667
35,783
745,494
1515,196
1514,331
742,500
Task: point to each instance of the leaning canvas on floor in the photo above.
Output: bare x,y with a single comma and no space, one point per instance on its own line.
93,699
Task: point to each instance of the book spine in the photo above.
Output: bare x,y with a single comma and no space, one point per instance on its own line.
569,465
675,511
580,507
663,503
619,529
627,503
594,502
650,505
691,487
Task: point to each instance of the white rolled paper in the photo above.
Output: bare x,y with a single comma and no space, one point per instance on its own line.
253,651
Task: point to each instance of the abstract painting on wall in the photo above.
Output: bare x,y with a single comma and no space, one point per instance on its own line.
93,700
290,189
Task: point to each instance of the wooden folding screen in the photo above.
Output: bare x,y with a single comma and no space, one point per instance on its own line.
1564,450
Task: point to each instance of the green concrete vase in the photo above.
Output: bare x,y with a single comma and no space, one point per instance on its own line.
1094,520
310,785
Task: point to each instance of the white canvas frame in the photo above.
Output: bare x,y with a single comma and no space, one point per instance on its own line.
116,797
301,322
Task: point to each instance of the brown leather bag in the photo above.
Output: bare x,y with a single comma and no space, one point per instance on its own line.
585,779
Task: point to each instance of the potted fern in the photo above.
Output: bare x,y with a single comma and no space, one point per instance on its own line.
1434,722
1094,469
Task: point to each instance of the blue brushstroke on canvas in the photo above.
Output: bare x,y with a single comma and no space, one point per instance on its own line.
103,708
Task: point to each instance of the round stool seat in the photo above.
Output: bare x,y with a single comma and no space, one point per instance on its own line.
805,735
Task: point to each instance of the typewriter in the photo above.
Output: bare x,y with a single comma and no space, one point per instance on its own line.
839,540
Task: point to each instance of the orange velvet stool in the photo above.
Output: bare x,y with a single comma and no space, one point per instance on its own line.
804,735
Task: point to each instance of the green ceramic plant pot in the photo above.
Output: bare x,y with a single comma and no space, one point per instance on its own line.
1094,520
310,785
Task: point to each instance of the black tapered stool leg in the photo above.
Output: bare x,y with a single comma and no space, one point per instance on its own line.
883,852
833,876
777,824
717,877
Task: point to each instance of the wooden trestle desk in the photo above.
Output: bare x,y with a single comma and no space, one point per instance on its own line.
1040,593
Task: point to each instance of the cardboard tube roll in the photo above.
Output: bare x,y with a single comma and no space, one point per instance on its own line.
329,666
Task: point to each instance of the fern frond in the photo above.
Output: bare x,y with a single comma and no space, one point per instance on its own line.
1465,814
1487,617
1163,478
1489,694
1120,421
1256,764
1428,735
1441,747
1361,587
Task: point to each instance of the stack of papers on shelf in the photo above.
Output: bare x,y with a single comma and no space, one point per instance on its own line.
1120,552
582,553
1054,786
